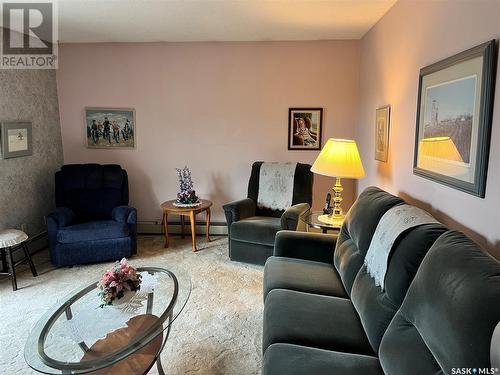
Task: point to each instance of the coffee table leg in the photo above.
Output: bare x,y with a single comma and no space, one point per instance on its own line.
158,360
182,226
207,229
192,217
165,227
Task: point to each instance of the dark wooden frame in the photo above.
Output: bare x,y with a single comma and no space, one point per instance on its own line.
5,127
320,131
488,51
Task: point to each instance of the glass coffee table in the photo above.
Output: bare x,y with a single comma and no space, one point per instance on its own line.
311,219
76,336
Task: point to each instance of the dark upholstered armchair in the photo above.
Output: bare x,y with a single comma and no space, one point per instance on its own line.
252,227
92,221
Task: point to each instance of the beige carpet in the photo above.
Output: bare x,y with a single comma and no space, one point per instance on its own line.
219,331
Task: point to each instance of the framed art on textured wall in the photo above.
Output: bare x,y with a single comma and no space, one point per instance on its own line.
110,127
382,124
304,128
455,104
16,139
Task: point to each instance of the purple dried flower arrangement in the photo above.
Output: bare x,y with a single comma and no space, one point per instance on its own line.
187,195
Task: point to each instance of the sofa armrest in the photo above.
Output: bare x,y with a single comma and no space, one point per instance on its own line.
61,217
290,219
124,214
239,210
308,246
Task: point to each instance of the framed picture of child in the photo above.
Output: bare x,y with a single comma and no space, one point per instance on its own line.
110,127
304,128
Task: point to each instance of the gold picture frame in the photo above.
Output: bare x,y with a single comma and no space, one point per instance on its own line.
382,128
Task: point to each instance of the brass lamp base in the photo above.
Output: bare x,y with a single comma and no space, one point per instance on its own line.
333,220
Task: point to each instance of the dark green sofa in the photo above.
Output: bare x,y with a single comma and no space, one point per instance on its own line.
324,315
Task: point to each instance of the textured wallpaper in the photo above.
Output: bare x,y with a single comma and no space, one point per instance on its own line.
27,183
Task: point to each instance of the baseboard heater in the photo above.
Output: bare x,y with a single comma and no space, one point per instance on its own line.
155,227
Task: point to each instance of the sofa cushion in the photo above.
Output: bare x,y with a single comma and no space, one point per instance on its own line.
303,276
93,230
300,360
449,313
357,231
256,229
376,307
313,320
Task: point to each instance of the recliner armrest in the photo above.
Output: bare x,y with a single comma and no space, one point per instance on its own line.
238,210
124,214
308,246
290,219
62,217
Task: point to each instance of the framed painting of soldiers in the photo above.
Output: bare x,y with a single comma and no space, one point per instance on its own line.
110,127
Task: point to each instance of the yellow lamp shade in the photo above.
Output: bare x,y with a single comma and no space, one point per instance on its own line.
339,158
440,155
439,147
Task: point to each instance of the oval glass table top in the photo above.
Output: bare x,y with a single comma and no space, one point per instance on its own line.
77,336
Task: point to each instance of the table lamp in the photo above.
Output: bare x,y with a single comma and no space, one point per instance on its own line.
339,158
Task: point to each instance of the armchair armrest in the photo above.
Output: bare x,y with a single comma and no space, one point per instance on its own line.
124,214
291,217
128,215
61,217
308,246
238,210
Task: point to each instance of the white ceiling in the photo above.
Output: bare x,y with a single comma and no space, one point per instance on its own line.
221,20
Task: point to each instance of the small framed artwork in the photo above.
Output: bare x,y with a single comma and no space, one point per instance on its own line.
304,128
454,113
16,139
110,128
382,125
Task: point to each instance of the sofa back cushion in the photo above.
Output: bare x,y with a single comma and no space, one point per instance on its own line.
377,307
357,231
449,314
91,190
302,187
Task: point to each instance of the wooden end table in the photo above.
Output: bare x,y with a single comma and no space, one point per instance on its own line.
168,207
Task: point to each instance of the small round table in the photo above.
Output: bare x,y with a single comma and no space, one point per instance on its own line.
312,221
168,207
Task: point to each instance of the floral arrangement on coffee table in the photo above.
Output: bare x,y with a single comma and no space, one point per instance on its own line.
187,195
118,280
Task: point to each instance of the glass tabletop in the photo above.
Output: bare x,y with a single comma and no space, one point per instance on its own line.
76,336
313,219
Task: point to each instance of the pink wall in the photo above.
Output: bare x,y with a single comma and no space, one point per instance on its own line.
216,107
411,35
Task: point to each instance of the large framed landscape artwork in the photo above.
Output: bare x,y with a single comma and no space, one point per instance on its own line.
454,112
110,127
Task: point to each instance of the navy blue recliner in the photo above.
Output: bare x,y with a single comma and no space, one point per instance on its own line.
92,221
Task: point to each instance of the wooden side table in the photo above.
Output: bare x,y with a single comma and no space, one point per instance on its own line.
168,207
